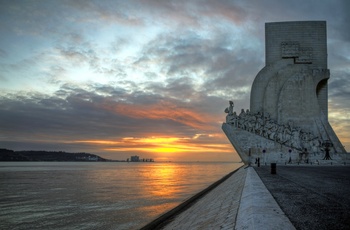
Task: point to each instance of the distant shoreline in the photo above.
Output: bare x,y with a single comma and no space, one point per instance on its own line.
49,156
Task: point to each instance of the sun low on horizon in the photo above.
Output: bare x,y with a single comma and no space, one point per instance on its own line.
148,78
164,148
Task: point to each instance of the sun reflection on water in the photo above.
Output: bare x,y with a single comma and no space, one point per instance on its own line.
162,181
100,194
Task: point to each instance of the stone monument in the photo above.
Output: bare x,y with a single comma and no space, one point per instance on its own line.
288,117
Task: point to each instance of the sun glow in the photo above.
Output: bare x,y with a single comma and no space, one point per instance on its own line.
162,180
160,139
98,142
166,150
163,146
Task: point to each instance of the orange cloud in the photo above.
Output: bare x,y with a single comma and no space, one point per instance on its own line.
163,110
159,145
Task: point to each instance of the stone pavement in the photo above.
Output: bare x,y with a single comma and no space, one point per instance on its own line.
240,202
313,197
297,197
258,209
217,210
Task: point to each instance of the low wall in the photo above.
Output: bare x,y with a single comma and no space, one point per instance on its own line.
167,217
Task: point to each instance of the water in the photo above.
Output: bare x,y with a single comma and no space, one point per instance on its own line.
96,195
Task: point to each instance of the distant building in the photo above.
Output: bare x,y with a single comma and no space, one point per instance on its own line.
135,158
92,158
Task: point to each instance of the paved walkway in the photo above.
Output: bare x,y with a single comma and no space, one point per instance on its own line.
217,210
297,197
240,202
313,197
258,210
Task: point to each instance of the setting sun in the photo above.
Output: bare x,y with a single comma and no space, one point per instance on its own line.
158,147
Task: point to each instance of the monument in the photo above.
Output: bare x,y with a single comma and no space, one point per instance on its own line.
288,117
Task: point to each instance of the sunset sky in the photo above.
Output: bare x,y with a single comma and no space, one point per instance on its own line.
152,78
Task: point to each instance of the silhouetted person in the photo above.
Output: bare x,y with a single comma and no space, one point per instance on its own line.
290,158
327,156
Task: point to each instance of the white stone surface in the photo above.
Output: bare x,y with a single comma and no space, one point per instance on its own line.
216,210
258,210
289,97
240,202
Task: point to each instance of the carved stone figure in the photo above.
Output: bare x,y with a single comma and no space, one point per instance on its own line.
230,108
230,117
304,156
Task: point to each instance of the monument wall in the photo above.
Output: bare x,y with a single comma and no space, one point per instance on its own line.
289,96
296,62
299,39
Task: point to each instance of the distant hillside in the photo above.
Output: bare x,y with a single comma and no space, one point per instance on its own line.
10,155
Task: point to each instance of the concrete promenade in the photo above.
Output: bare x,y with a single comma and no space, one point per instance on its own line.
297,197
239,202
217,210
313,197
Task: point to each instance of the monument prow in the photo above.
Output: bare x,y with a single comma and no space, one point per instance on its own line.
288,116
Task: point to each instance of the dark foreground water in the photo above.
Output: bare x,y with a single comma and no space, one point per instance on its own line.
95,195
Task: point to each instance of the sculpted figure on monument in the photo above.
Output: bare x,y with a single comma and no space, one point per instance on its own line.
264,126
232,119
279,134
252,123
305,139
247,121
267,127
273,131
287,133
259,123
295,140
229,109
231,116
242,114
241,120
235,118
315,145
304,156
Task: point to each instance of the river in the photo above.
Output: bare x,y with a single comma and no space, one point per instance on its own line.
98,195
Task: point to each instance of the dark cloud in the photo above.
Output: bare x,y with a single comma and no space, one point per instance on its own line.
177,54
212,60
338,89
75,113
338,53
339,27
219,67
260,12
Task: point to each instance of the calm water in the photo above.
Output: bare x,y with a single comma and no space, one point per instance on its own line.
112,195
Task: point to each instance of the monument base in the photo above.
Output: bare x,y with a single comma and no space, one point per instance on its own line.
253,148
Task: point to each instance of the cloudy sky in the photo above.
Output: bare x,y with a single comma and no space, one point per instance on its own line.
147,77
